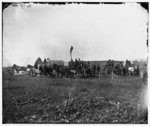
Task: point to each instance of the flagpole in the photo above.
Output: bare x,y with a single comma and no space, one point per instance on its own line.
71,55
71,52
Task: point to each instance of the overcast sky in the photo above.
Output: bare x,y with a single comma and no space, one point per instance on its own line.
97,32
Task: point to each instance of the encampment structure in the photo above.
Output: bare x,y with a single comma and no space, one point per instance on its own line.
38,62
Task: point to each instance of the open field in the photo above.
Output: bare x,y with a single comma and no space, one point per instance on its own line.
62,100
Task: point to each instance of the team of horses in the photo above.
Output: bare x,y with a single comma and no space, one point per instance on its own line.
122,69
79,68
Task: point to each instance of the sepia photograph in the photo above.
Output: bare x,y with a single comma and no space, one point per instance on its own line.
75,62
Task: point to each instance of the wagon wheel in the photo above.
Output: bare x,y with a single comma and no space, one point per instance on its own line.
30,73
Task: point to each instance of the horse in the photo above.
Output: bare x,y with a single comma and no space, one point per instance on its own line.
134,70
45,70
67,72
131,70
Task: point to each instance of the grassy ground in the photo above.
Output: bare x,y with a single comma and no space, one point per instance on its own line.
60,100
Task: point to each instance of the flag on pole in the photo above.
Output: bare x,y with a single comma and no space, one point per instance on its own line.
71,51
